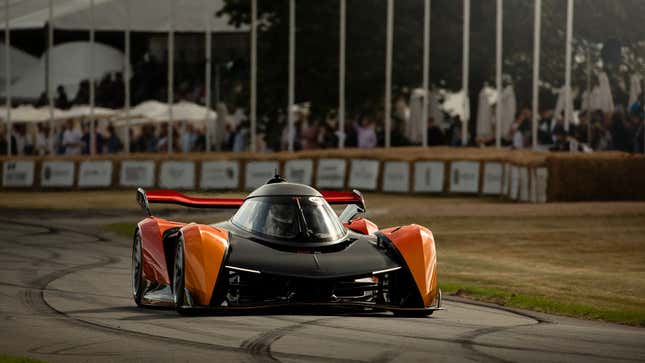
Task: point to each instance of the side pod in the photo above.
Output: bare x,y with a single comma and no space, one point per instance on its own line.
416,245
205,250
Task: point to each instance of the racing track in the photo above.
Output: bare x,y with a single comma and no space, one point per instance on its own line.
65,296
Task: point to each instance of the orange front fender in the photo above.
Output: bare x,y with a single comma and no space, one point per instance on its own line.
416,245
204,252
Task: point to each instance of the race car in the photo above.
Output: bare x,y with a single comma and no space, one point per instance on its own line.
284,246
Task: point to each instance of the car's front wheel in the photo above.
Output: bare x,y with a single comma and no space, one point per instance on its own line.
138,282
179,280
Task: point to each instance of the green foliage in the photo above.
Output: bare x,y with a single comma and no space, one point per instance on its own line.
596,21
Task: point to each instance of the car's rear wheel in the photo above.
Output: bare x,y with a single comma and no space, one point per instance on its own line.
179,280
138,282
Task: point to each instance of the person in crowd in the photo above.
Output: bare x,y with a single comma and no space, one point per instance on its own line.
241,140
200,140
454,132
229,137
71,142
21,143
619,133
83,94
188,138
435,135
309,134
161,143
365,133
87,137
118,89
61,101
42,144
113,144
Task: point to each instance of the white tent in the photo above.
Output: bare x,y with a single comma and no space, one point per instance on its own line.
29,114
184,111
112,15
21,62
85,111
71,65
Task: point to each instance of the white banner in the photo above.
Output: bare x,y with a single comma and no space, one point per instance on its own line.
57,174
396,176
514,182
464,176
331,173
259,172
524,184
364,174
539,184
177,175
493,178
18,174
222,174
136,173
299,171
428,176
95,174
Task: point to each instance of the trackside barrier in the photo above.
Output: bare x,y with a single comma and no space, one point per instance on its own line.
515,175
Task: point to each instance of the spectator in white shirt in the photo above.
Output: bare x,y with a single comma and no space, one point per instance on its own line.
72,139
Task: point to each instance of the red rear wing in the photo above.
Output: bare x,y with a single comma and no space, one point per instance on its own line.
173,197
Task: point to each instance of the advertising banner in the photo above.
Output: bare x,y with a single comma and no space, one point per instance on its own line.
259,172
220,174
428,176
299,171
464,177
95,174
364,174
396,176
135,173
177,175
331,173
57,174
18,174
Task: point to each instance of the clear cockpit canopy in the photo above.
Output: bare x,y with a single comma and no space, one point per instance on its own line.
306,219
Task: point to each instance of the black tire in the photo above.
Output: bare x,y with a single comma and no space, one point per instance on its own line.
138,282
179,280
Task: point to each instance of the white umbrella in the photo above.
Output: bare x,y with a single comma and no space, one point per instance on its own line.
487,97
416,125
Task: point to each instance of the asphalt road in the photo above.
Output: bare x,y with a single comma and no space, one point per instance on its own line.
65,296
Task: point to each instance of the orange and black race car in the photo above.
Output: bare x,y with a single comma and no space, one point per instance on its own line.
285,246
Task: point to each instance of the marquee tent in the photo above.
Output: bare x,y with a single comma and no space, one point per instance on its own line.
21,62
143,15
71,65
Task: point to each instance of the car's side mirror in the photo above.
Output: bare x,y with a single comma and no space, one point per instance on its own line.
350,213
142,200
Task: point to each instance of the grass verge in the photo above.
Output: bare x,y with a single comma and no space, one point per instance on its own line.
11,359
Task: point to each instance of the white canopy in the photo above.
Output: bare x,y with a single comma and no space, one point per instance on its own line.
21,62
84,111
71,65
29,114
157,112
112,15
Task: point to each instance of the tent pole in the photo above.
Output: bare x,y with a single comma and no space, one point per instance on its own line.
171,74
92,90
426,72
292,71
341,74
127,77
207,94
50,76
537,23
498,73
388,72
567,76
465,70
7,55
254,65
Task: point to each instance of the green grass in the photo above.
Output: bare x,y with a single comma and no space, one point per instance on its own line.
125,229
10,359
542,304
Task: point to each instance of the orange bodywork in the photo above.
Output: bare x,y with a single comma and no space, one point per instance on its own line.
416,245
204,251
362,225
154,259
